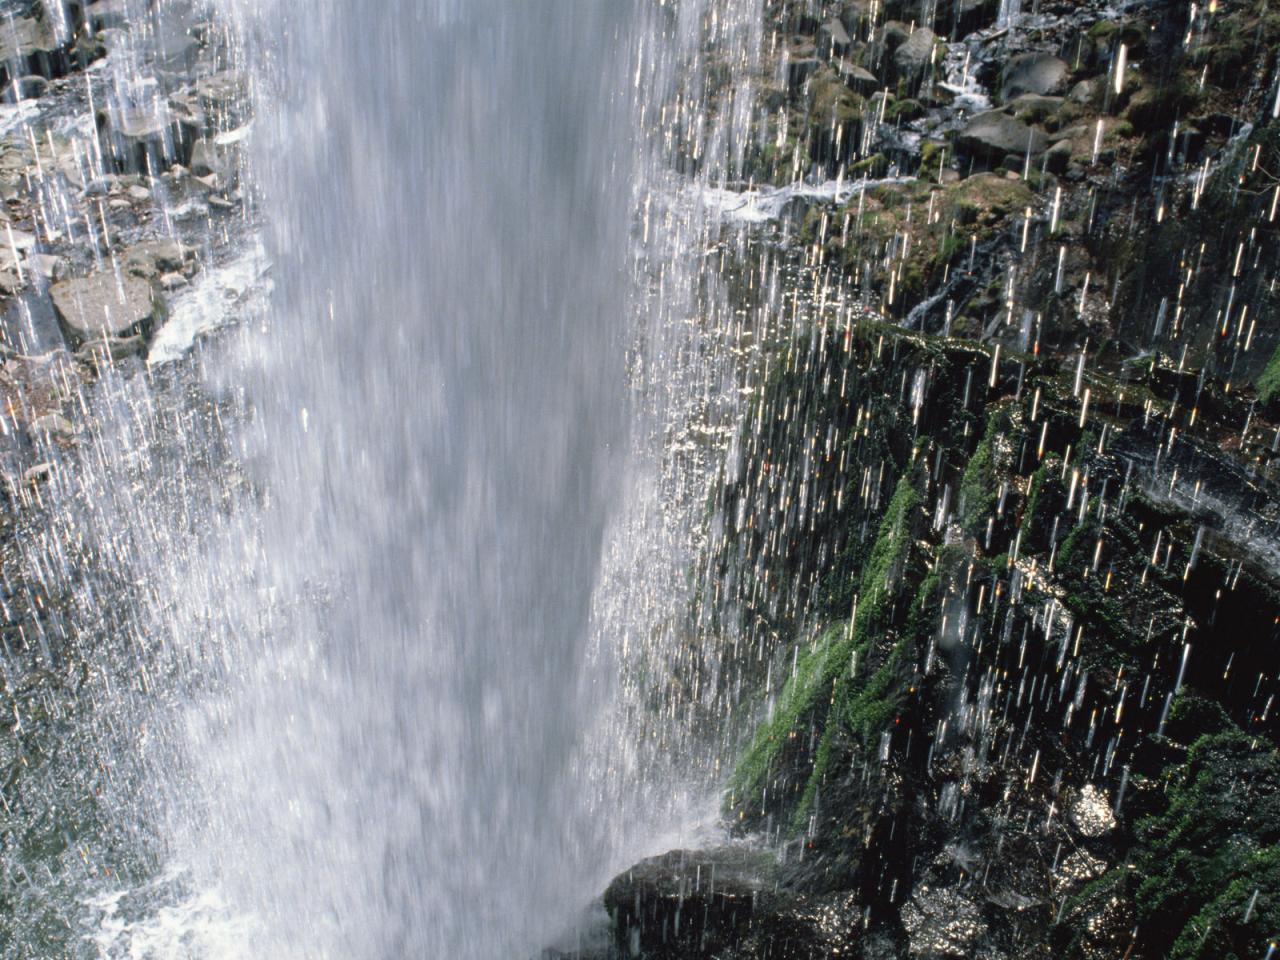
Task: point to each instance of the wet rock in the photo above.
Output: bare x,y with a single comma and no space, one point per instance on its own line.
38,474
47,265
26,88
942,922
155,257
915,53
103,303
1086,91
833,37
857,78
101,352
107,15
687,903
724,903
893,35
140,140
32,46
993,135
1057,158
1039,73
800,69
1034,107
207,159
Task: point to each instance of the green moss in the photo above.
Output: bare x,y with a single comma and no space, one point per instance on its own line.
1268,382
978,486
814,674
1201,858
862,711
1103,29
1220,930
872,166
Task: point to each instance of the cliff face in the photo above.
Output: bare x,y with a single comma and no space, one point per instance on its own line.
1003,562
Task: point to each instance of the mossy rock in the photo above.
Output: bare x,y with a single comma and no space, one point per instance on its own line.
988,197
1157,104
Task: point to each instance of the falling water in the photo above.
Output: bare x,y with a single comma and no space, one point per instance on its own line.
371,600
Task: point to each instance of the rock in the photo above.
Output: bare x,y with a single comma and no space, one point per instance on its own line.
1085,91
963,17
1040,73
172,281
139,193
993,134
207,159
1058,157
1035,107
894,34
103,303
857,78
37,474
834,37
54,425
32,45
46,265
942,923
28,88
154,257
800,69
724,903
911,58
137,140
102,351
107,15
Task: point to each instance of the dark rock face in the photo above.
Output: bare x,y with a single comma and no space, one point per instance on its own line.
1023,604
725,903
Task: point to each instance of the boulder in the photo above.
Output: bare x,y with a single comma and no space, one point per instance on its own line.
1039,73
834,37
141,140
104,304
32,46
857,78
724,903
31,87
911,58
992,135
155,257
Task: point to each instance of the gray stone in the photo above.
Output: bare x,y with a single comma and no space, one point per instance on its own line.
104,304
894,34
993,134
1040,73
1084,91
154,257
107,15
914,54
857,78
103,351
1058,157
31,87
835,36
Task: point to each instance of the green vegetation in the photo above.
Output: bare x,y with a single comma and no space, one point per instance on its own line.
827,667
1268,382
1202,858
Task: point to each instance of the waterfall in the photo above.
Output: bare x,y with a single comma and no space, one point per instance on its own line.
383,589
